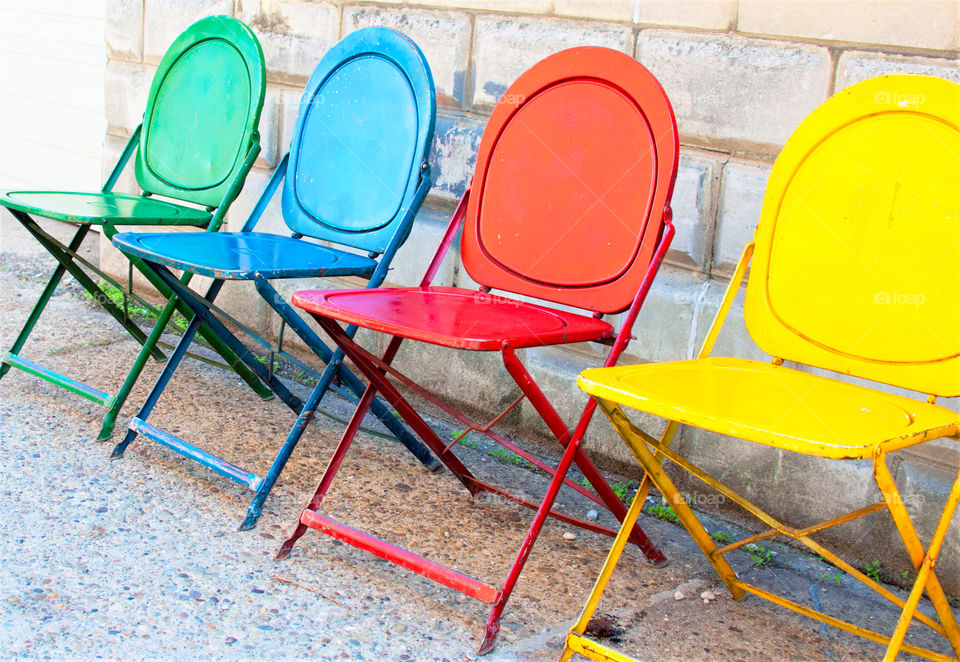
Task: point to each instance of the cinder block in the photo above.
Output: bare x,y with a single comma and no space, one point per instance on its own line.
444,37
126,88
741,200
112,149
706,14
414,256
924,490
289,111
799,490
503,48
730,92
664,330
272,220
555,370
734,339
453,155
124,29
518,6
270,326
475,382
855,66
294,36
164,20
694,210
930,24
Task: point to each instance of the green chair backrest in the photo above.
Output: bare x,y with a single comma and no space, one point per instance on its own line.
202,113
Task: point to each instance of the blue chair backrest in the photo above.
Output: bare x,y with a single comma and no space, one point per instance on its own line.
364,130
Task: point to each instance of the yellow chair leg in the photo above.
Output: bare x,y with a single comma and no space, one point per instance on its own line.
608,567
670,492
922,561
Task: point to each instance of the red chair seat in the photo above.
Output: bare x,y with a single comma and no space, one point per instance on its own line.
454,317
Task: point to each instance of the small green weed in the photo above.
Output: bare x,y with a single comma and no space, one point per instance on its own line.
722,538
625,489
135,310
466,440
836,578
760,555
872,570
663,512
508,457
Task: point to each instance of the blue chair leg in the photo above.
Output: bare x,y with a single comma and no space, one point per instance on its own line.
179,352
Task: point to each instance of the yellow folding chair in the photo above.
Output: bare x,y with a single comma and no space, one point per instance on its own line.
856,271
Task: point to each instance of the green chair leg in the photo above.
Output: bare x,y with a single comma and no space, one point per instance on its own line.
48,290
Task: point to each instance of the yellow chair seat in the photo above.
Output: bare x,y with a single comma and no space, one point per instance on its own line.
773,405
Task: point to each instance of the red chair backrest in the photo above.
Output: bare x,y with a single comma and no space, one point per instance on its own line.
574,172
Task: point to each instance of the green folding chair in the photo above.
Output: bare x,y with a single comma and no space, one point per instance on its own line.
197,142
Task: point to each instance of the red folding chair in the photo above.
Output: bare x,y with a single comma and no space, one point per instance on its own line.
569,205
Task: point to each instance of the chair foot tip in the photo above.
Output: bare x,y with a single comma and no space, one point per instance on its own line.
490,638
116,455
283,554
487,646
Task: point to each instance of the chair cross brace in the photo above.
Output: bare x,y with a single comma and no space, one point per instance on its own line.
471,424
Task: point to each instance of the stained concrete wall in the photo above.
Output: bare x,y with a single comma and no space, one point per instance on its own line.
741,76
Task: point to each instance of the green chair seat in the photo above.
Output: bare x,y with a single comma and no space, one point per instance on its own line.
100,208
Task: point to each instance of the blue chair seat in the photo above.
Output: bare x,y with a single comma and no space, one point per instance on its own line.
98,208
241,255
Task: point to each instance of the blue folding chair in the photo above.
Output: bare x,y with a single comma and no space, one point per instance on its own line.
355,176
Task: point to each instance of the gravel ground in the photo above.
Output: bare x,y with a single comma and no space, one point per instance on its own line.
140,558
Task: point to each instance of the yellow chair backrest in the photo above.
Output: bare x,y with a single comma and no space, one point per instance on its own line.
857,261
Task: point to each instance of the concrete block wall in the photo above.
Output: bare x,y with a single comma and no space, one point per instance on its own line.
741,75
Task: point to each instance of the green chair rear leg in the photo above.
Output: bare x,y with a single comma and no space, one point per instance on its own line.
48,291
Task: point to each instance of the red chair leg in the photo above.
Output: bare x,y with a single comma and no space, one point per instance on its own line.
559,428
493,620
